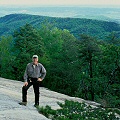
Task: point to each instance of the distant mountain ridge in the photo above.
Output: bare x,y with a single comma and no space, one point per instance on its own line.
105,13
76,26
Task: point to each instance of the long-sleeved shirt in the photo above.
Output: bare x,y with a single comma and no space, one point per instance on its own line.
34,71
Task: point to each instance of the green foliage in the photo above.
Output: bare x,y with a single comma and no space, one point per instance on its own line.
61,49
88,50
6,57
27,42
76,26
78,111
86,68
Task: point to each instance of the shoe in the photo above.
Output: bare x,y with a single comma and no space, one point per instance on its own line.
36,105
23,103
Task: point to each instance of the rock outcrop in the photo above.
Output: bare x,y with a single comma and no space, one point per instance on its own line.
10,96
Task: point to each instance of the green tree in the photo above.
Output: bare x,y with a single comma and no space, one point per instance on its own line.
110,70
89,51
62,51
27,42
6,57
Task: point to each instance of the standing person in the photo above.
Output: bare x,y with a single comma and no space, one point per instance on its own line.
34,74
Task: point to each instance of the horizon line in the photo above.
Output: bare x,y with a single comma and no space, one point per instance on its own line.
82,5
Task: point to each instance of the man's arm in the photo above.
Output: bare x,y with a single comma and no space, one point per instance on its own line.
25,74
43,72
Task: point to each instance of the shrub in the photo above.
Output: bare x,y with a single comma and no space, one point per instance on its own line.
71,110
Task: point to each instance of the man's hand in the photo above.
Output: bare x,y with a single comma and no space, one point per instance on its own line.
39,79
26,83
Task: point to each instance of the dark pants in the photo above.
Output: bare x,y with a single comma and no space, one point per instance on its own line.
35,83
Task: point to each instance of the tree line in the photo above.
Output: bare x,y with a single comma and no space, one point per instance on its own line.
76,26
86,67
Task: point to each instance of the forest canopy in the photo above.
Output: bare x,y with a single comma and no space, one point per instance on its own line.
88,68
76,26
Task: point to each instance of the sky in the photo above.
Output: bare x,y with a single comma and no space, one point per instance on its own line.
59,2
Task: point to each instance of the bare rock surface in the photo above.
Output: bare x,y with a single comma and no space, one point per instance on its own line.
10,96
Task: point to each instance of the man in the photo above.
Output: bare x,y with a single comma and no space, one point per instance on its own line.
34,74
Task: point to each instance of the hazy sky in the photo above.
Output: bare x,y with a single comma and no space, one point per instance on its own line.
60,2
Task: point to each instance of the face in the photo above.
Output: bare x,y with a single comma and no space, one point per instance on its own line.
35,60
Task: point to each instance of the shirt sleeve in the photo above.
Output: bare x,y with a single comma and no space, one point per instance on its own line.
43,72
25,74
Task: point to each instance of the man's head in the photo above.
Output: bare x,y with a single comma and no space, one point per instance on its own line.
35,59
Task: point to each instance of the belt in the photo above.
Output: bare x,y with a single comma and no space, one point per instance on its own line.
33,79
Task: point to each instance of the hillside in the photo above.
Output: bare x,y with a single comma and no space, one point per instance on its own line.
10,95
105,13
76,26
